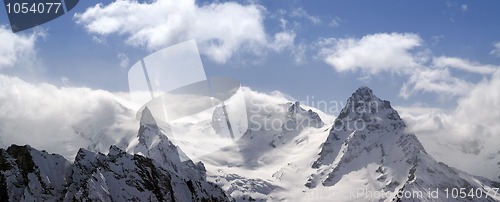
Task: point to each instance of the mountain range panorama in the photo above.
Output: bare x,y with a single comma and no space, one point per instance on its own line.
366,148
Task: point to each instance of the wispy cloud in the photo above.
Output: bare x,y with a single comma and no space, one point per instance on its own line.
124,60
438,81
302,13
437,39
464,64
335,22
496,49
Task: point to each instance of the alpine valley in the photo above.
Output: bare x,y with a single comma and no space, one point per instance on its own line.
288,152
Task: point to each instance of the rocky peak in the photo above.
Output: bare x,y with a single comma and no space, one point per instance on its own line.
365,122
364,106
294,107
152,142
115,151
364,93
148,130
147,117
299,117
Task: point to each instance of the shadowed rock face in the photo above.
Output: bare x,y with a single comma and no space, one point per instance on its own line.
27,173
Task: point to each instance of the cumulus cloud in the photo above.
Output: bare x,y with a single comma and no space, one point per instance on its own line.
496,50
221,29
61,120
17,48
372,53
405,55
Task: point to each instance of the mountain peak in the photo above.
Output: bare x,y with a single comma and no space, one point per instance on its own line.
362,94
147,117
364,104
365,120
299,116
364,91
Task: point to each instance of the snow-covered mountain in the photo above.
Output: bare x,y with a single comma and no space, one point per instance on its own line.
288,153
366,154
368,148
28,174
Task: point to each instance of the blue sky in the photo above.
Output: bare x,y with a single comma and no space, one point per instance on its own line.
68,51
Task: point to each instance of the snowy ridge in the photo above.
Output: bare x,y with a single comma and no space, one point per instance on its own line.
27,174
31,175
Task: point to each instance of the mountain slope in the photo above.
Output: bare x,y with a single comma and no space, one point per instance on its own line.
274,148
369,141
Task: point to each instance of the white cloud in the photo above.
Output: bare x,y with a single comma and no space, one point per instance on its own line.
221,29
61,120
17,48
462,64
496,50
436,77
437,81
372,53
283,40
482,104
397,53
472,128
